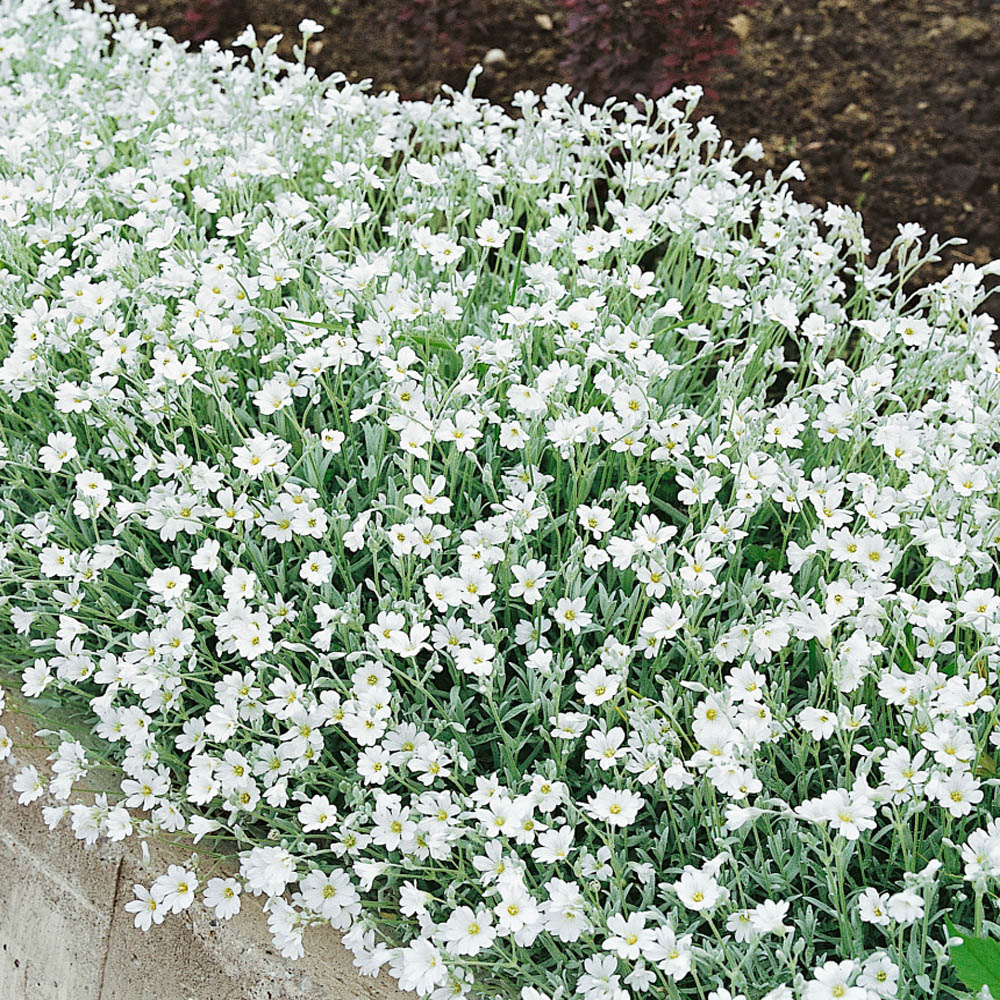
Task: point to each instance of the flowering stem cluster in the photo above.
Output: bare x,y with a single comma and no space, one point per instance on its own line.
529,546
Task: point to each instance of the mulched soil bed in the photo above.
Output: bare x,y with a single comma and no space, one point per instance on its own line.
892,106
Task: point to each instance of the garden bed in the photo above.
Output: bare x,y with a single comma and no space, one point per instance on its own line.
534,544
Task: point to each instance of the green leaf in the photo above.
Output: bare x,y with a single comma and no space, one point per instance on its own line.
768,555
976,960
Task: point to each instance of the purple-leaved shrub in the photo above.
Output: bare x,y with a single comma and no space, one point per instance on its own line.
623,47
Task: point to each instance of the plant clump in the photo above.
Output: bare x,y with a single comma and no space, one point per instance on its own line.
532,546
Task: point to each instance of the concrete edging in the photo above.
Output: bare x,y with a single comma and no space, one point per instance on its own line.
65,935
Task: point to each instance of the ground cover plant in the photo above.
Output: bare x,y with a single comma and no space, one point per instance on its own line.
890,105
526,544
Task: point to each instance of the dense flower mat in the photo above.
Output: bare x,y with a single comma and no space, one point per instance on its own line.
541,551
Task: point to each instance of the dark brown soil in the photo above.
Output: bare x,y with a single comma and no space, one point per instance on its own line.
892,106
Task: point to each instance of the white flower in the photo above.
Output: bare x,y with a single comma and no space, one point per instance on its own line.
818,723
879,975
957,792
206,558
570,614
849,812
529,581
605,747
58,451
419,966
628,937
468,932
616,807
906,907
564,912
28,784
222,896
332,895
317,568
597,686
332,440
175,890
317,814
489,233
671,954
429,499
267,870
769,917
146,908
596,520
831,981
698,890
168,584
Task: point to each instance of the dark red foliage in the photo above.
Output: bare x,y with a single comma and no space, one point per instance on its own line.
441,31
623,47
203,19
